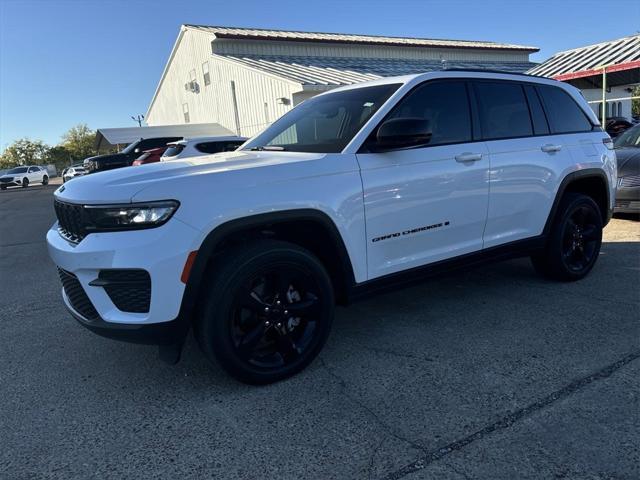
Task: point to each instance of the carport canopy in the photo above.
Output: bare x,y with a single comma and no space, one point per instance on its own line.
110,137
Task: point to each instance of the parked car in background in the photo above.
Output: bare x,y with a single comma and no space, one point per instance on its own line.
198,146
150,156
617,125
73,171
126,157
627,147
23,176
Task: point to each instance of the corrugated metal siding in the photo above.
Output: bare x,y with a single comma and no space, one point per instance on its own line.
280,35
252,47
615,52
332,71
213,103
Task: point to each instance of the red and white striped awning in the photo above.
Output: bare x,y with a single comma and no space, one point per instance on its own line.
616,56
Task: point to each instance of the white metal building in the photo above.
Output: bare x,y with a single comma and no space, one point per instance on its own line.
606,71
244,79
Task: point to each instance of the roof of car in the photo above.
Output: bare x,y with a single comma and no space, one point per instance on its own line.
227,138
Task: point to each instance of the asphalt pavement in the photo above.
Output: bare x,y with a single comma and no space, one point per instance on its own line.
493,373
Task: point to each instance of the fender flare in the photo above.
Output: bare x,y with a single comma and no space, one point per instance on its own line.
222,231
570,178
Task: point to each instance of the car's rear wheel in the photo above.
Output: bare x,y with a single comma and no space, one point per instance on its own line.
45,180
574,242
25,182
268,311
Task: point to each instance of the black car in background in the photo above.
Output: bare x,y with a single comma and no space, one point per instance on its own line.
627,146
126,157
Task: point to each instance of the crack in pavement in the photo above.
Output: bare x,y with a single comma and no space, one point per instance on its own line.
374,415
509,420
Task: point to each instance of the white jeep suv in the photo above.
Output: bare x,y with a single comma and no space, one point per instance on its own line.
352,191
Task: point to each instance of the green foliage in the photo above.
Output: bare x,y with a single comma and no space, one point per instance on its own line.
77,144
635,103
24,151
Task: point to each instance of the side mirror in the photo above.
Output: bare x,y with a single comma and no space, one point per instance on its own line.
400,133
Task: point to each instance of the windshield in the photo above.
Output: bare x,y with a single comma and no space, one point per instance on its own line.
18,170
131,147
173,150
324,124
630,138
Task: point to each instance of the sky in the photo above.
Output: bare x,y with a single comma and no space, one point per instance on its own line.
64,62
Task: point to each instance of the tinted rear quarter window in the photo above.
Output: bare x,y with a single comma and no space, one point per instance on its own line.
445,105
504,112
540,125
563,113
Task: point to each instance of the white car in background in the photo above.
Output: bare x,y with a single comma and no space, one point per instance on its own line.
23,176
73,171
198,146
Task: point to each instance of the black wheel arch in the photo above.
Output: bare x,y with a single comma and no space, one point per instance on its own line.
590,181
265,222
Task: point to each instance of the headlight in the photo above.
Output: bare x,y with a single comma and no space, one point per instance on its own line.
129,216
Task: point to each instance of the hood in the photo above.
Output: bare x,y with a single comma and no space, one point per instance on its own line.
122,184
628,161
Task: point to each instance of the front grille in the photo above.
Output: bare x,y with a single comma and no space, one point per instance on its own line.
629,181
6,179
129,290
76,295
71,223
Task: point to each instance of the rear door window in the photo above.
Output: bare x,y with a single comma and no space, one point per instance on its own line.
503,109
564,114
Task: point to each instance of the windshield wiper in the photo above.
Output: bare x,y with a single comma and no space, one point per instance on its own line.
268,148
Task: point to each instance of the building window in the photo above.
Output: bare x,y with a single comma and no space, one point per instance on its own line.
185,111
614,109
266,113
620,109
205,73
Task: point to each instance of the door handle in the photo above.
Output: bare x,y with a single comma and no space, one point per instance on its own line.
549,148
468,157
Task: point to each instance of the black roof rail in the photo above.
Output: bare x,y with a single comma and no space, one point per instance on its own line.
488,70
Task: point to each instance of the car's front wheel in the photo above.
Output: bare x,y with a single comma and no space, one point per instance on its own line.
268,311
25,182
574,242
45,180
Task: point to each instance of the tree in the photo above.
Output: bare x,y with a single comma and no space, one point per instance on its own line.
79,142
24,151
635,103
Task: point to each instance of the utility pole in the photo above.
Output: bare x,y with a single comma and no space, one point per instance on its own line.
138,118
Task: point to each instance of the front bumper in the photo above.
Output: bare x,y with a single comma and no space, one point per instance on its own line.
165,333
161,252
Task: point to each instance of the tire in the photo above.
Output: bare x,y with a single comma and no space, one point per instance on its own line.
25,182
3,187
45,180
246,325
574,242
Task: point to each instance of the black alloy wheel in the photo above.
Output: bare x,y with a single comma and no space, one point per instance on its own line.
574,241
581,238
275,316
25,182
268,311
45,180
